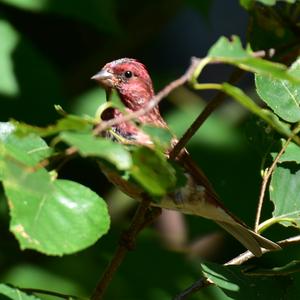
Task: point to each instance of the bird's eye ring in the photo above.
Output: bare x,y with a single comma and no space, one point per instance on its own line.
128,74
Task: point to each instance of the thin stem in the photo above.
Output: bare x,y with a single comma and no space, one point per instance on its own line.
207,86
242,258
210,107
198,285
266,224
125,245
204,282
267,176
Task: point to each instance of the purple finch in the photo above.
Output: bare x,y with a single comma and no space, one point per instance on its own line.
134,86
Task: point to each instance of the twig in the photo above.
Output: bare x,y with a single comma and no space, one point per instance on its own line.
153,102
198,285
267,176
125,244
204,282
210,107
248,255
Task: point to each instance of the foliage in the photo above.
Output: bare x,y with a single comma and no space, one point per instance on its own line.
52,206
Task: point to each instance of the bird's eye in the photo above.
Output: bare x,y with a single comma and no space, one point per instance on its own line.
128,74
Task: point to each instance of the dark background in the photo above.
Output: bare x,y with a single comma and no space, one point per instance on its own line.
48,52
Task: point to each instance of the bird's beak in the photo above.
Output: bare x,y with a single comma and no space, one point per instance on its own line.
104,77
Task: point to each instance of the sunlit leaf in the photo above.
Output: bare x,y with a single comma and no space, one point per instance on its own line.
232,52
29,149
284,193
13,293
69,122
55,218
89,145
273,2
291,154
282,96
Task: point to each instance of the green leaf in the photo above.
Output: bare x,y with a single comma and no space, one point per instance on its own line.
247,4
281,95
273,2
239,286
248,103
267,2
55,218
87,103
15,294
284,193
89,145
291,154
69,122
9,40
232,52
160,136
152,171
28,150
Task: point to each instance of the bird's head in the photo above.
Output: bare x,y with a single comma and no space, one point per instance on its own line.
131,80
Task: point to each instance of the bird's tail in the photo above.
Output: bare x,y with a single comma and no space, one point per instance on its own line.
251,240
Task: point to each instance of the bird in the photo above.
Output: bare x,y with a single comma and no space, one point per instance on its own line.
132,82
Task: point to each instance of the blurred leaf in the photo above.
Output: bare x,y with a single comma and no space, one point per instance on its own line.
237,285
37,277
273,2
237,94
152,171
39,84
9,40
284,193
215,132
69,122
14,293
61,217
87,103
232,52
281,95
100,14
28,150
247,4
267,2
89,145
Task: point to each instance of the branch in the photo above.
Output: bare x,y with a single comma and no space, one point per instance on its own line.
125,244
153,102
210,107
248,255
204,282
267,176
198,285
